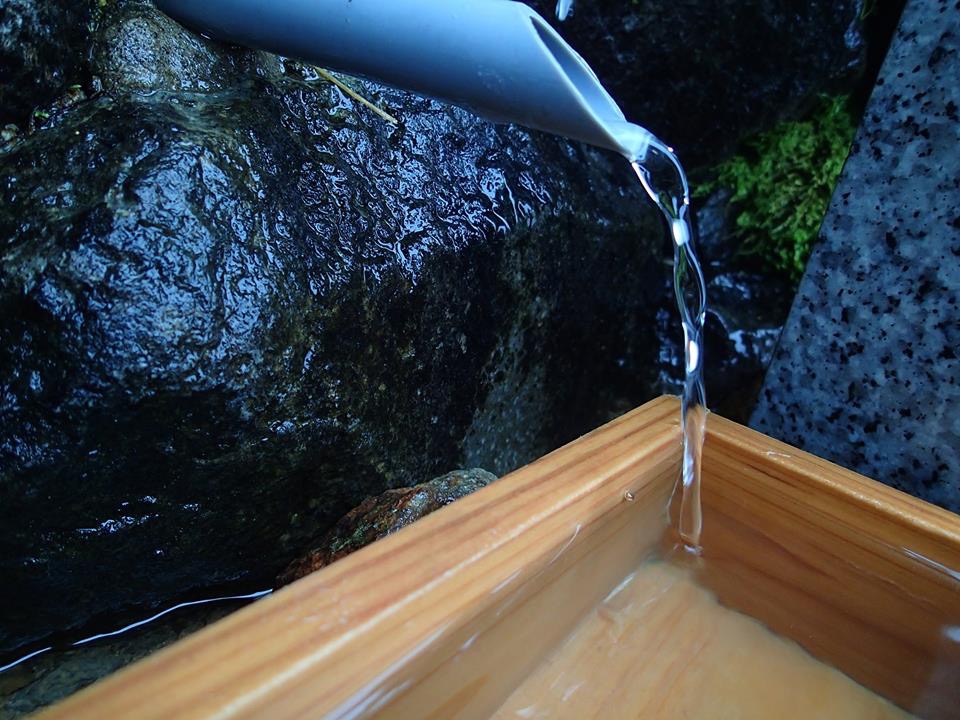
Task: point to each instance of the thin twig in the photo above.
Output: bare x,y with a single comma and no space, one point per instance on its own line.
356,96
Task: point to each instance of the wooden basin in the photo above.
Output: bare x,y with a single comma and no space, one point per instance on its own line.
446,618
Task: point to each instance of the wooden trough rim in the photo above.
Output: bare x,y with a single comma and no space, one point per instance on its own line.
825,481
326,634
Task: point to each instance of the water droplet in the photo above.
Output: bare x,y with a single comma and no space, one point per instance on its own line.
563,9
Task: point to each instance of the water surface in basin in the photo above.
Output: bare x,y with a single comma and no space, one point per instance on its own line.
661,646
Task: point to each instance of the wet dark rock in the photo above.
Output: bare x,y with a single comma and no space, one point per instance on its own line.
377,517
43,48
703,75
233,303
746,316
142,50
54,676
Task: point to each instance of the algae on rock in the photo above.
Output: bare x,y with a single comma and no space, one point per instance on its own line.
43,48
782,184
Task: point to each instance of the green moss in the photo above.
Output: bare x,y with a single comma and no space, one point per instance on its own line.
782,183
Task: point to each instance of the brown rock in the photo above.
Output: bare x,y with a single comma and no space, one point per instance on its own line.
377,517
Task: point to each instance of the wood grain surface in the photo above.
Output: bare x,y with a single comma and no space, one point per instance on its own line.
865,577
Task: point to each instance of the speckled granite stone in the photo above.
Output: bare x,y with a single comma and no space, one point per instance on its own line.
866,373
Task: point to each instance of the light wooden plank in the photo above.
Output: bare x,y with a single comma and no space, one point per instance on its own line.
442,619
863,576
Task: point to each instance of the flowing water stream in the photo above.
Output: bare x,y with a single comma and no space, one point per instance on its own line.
664,180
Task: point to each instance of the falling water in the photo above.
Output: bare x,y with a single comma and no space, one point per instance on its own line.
563,9
665,182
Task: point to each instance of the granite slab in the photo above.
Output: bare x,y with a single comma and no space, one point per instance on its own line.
866,372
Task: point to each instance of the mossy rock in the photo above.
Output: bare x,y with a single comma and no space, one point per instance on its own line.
782,183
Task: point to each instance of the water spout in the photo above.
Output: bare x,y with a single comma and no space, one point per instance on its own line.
497,58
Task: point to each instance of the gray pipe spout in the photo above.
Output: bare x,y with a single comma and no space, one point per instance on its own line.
497,58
